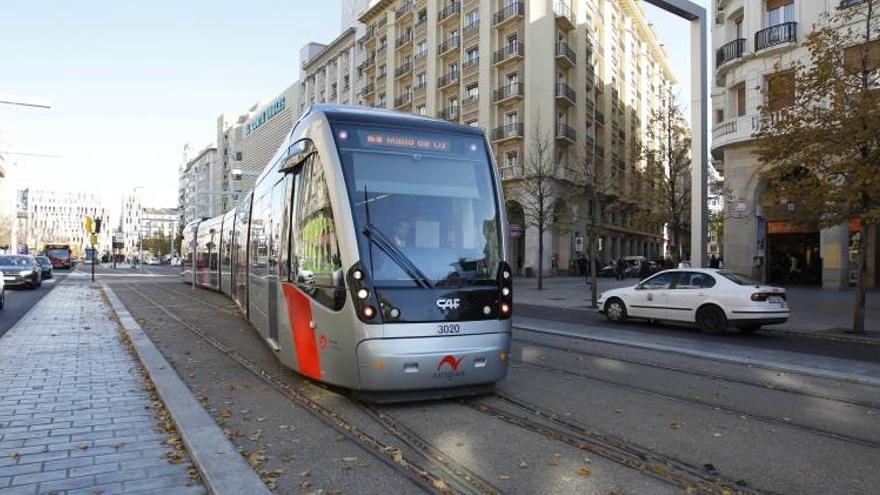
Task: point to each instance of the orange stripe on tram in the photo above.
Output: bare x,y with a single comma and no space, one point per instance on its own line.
299,311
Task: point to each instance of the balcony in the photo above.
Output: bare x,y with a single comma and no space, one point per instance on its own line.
515,171
470,63
730,52
448,79
849,3
600,118
449,11
509,131
471,29
564,94
420,56
565,55
420,88
511,11
404,39
470,100
368,63
565,133
449,113
403,100
404,10
448,45
564,15
508,91
421,23
368,90
734,130
512,51
780,34
403,70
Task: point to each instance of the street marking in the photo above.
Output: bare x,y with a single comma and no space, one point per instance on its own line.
819,366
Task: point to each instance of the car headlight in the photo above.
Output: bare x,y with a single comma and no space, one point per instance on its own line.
25,273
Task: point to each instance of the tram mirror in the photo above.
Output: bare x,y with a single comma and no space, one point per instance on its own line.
296,154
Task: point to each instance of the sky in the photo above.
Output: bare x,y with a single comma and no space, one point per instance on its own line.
131,82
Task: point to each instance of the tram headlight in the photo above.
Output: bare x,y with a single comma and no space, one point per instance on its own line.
505,291
505,308
363,294
505,274
357,275
369,312
394,312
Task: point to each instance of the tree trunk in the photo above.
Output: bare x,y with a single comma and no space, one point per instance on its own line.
862,287
540,258
594,260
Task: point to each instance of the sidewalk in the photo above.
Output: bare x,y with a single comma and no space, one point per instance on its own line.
74,413
816,312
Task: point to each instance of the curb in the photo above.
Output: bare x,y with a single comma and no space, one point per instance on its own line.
222,468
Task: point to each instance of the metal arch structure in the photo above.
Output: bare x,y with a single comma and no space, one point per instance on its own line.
696,15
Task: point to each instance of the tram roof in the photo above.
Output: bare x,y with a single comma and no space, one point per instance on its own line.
381,116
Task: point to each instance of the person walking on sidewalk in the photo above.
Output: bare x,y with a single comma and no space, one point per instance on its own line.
621,268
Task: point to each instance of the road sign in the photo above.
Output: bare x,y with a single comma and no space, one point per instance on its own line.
514,229
89,225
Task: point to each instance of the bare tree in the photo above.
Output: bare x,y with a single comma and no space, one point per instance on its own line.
666,154
594,181
537,190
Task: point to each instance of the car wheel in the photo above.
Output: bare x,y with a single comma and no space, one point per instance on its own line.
749,329
711,319
615,311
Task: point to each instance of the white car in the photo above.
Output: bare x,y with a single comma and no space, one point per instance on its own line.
713,299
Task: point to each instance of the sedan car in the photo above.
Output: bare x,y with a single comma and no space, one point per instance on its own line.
45,266
20,270
713,299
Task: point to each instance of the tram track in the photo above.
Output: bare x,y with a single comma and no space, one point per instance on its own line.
712,376
457,480
687,476
705,404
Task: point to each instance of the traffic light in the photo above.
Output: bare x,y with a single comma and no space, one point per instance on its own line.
98,225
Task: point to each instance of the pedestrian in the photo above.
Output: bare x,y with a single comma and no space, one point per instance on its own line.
644,269
713,262
621,268
519,265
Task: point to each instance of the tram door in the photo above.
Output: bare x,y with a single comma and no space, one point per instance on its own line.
277,246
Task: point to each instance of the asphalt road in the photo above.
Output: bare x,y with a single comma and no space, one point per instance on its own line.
20,300
573,416
762,339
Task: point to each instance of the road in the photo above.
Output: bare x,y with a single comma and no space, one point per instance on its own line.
20,300
574,415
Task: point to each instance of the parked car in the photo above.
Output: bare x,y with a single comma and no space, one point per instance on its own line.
45,266
2,291
713,299
20,270
153,262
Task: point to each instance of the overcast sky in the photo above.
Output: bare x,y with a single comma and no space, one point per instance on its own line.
131,82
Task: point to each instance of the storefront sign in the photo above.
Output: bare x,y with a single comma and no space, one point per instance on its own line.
272,110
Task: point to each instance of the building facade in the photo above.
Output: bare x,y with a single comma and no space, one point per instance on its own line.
581,75
750,38
328,72
129,223
200,185
59,216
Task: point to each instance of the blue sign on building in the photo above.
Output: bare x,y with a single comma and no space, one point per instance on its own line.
270,111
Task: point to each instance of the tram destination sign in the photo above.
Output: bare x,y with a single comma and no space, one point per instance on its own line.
434,143
422,143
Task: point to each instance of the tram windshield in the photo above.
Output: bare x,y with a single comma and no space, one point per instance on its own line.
424,206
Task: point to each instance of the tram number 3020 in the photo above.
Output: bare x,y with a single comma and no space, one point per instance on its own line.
448,329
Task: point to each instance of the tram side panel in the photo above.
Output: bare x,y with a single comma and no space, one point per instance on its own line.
186,253
240,256
226,243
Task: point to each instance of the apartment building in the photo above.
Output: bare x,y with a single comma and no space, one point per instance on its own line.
750,37
581,75
59,216
200,180
130,222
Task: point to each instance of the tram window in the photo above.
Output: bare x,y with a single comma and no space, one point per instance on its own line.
316,265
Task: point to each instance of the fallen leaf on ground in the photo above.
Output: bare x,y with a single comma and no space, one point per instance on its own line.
584,472
675,425
503,477
523,465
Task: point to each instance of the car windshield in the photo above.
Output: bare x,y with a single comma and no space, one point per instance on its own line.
739,279
14,261
42,259
423,205
58,253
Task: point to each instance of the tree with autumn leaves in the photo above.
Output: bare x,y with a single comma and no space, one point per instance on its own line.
819,132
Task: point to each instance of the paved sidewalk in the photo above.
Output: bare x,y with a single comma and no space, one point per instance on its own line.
814,311
74,414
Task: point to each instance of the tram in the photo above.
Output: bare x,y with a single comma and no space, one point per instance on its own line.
370,255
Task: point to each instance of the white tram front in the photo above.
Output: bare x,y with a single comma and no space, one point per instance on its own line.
370,255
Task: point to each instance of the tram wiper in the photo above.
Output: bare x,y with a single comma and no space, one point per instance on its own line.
374,235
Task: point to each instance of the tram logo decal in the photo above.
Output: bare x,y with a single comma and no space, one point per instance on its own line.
452,303
452,363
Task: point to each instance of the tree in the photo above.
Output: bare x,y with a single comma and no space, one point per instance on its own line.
666,154
595,182
819,133
537,191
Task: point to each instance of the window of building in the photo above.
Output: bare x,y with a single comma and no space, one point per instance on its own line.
862,56
421,49
421,79
511,159
741,100
511,118
471,18
780,90
316,265
421,110
472,91
779,12
471,55
512,78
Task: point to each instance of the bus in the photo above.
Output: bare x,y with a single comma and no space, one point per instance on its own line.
59,255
